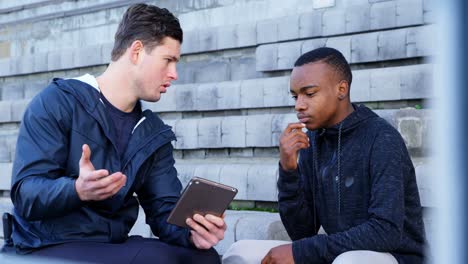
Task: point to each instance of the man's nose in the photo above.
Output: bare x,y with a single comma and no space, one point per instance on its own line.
300,104
173,73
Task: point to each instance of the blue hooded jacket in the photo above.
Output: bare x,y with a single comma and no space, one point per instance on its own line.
358,182
47,209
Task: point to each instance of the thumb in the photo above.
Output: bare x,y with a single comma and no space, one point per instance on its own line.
85,156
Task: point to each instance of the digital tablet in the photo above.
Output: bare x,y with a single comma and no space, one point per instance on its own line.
201,196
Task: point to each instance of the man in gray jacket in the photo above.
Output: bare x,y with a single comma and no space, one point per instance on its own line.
349,172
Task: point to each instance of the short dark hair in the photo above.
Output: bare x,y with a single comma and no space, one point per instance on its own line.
330,56
147,23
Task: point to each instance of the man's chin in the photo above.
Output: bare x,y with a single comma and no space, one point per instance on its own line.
151,99
310,126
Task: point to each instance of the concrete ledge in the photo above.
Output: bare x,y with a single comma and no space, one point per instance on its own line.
251,225
84,49
255,178
311,23
382,84
264,130
360,48
241,225
260,130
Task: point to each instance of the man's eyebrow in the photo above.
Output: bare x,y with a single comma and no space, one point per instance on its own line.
304,88
173,58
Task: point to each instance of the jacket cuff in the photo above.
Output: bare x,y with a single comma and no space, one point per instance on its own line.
310,249
190,243
74,199
288,180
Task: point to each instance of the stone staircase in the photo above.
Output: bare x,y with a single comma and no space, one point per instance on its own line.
231,101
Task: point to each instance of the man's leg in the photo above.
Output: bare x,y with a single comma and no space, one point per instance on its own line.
166,253
250,251
134,250
365,257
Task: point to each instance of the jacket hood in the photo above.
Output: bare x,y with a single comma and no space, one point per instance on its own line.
86,94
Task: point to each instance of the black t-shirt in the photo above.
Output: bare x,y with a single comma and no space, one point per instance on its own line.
123,124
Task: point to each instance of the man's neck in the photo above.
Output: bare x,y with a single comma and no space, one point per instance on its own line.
344,111
116,88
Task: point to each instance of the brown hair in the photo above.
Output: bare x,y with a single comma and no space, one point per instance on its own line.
147,23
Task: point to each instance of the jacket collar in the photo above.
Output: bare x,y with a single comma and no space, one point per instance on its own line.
360,114
87,95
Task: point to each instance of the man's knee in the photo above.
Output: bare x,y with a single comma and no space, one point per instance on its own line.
364,257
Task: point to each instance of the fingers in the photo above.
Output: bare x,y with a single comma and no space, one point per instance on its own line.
208,230
293,126
199,241
218,221
296,139
111,185
291,141
99,185
96,184
266,259
95,175
294,129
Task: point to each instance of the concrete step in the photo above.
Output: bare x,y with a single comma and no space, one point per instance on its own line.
264,130
241,225
34,48
249,130
354,13
16,6
12,110
255,179
366,47
392,84
360,48
82,20
240,31
41,10
372,85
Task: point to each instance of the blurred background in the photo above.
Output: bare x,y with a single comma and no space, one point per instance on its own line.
231,100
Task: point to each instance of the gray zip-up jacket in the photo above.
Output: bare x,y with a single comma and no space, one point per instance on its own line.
358,182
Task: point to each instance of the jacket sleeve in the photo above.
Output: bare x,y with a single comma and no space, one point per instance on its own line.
40,190
389,164
158,196
296,204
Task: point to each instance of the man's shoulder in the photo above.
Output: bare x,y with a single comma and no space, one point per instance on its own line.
54,90
379,125
383,133
52,99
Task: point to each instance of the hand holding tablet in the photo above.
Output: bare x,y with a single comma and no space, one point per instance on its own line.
201,196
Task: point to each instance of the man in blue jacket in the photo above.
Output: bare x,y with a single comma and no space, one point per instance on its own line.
85,147
350,173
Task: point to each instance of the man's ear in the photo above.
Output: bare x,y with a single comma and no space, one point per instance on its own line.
343,89
135,51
